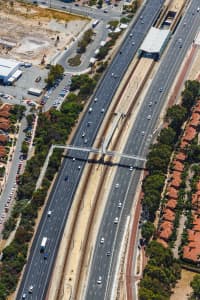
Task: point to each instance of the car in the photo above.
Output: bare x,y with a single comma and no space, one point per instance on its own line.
38,79
105,11
66,178
79,167
131,168
85,141
90,110
102,110
161,89
117,185
149,117
45,255
83,134
73,158
99,280
150,103
88,124
198,9
119,205
24,294
76,4
102,240
95,99
49,213
63,7
112,74
30,290
130,34
133,43
116,220
108,253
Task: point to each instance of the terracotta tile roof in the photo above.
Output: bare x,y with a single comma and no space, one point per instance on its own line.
172,193
171,203
3,138
196,223
196,200
4,120
192,251
2,151
190,134
4,126
5,107
4,114
178,166
183,144
168,215
165,230
195,120
193,235
181,156
162,242
176,179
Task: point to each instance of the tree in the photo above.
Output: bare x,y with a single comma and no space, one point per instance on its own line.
176,115
195,284
147,230
167,136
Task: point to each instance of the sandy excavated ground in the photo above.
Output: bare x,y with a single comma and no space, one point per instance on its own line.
32,31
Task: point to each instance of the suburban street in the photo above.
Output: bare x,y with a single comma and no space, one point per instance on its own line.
103,265
38,270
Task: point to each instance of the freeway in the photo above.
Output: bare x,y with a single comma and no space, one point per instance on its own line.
38,270
125,182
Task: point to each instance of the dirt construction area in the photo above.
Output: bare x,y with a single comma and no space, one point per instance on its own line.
35,34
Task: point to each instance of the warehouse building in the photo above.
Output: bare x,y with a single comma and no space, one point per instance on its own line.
154,43
9,70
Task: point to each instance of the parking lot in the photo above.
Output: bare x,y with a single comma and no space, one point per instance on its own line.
28,80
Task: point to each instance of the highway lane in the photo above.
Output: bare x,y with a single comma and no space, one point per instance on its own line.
38,270
103,265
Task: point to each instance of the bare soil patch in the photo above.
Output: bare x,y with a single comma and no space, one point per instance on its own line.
31,33
183,289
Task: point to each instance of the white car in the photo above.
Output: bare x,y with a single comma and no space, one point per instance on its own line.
102,240
116,220
99,280
119,205
49,213
90,110
117,185
95,99
102,110
30,290
149,117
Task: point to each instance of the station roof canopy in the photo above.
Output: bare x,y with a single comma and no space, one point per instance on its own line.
154,40
7,65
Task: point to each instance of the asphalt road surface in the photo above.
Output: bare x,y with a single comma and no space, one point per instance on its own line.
38,270
126,180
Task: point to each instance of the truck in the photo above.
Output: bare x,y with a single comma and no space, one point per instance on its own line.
35,92
43,244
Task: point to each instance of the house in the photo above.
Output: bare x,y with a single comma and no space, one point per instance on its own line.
165,230
4,126
3,139
181,156
189,134
197,107
171,203
176,179
4,114
168,215
172,193
195,120
178,166
192,252
2,151
183,144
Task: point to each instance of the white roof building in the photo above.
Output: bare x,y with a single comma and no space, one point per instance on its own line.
155,41
8,67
